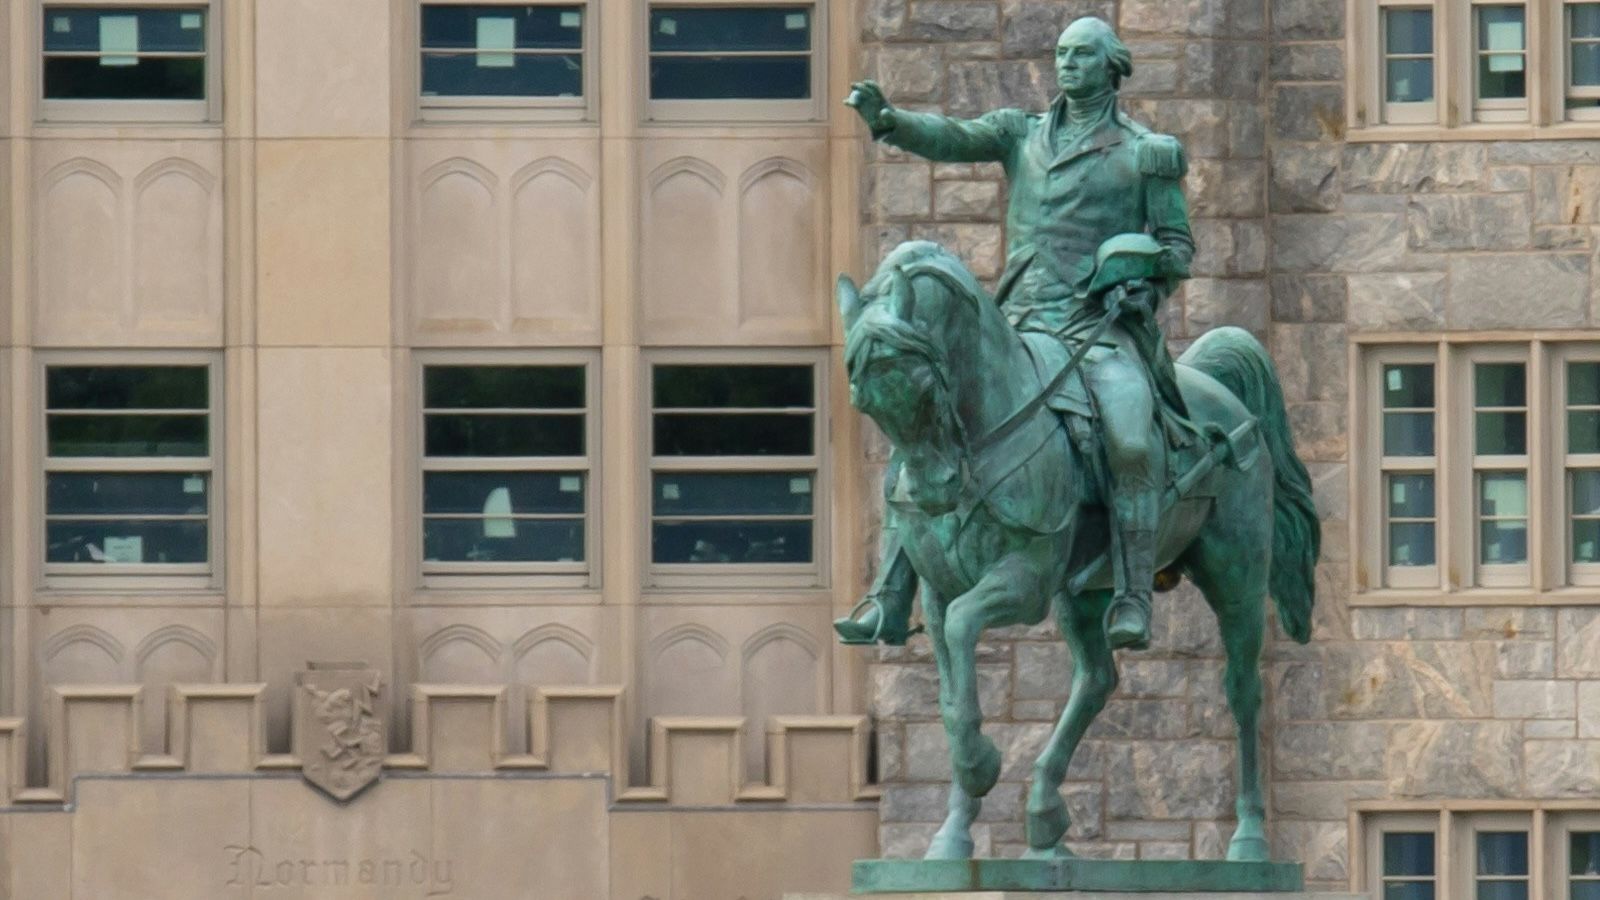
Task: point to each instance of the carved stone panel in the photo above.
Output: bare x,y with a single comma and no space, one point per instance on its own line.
127,243
733,242
506,239
338,736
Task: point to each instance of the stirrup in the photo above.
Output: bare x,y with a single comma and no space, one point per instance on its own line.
873,601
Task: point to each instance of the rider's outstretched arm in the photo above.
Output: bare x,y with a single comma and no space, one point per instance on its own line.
988,138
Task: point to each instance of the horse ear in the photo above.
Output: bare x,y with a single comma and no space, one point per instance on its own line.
849,301
901,295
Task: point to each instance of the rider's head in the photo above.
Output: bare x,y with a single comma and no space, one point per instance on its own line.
1090,58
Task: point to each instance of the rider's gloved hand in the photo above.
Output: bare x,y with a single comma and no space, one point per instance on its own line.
1135,298
867,99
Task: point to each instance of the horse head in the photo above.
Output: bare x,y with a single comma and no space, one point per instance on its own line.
899,377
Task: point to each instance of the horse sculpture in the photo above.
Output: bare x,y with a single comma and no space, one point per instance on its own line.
1003,519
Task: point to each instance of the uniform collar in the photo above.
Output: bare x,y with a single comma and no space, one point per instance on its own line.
1108,133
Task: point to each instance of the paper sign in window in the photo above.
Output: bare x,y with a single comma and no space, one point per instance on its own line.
572,19
668,26
497,521
190,21
125,549
1504,40
795,21
571,484
61,24
799,485
497,37
119,40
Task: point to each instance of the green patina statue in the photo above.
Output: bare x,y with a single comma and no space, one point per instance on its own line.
1047,451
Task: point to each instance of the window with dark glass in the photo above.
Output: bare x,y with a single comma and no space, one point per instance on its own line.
1500,458
1409,464
505,467
1408,57
124,53
1583,55
1409,872
1502,52
502,50
128,467
734,464
1583,865
1501,871
730,52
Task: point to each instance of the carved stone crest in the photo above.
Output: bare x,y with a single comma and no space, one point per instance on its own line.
338,736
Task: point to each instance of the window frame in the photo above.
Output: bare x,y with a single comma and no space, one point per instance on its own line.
736,111
1497,110
1410,113
511,109
1370,877
1557,855
672,576
207,110
1464,481
1551,577
133,576
1463,851
1563,61
1376,539
476,576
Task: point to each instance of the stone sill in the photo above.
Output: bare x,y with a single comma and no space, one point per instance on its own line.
1569,596
1564,131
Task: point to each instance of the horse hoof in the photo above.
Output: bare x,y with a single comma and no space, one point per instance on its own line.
1248,849
947,846
1046,825
1056,852
979,777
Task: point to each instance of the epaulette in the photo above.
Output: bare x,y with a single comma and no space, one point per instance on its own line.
1160,155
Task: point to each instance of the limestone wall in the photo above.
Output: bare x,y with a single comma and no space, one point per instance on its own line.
1307,239
216,816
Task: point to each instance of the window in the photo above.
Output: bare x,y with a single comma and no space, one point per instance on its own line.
498,60
1501,62
1408,870
130,465
506,469
1408,64
1501,871
712,61
1491,68
122,63
1479,850
735,470
1583,60
1582,869
1485,468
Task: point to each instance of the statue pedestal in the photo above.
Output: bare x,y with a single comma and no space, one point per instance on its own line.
994,879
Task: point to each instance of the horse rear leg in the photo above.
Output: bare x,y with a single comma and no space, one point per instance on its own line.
1094,677
1233,577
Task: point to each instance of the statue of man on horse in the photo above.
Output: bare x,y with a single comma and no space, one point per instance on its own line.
1049,455
1086,184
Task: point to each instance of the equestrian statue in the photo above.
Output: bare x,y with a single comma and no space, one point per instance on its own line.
1048,451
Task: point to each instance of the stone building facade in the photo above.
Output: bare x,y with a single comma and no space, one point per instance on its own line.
1445,708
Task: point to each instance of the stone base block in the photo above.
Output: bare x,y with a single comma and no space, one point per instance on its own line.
1147,876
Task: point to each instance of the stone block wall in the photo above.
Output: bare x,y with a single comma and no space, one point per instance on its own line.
1306,238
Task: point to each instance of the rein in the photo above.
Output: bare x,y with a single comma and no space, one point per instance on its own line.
1017,419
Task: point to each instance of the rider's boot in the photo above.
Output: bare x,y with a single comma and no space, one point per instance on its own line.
1133,548
888,605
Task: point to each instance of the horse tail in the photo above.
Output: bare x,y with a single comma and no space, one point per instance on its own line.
1236,359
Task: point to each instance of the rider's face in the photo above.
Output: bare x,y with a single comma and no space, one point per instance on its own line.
1081,65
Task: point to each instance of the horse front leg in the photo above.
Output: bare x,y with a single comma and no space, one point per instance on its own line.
1009,594
1094,677
953,840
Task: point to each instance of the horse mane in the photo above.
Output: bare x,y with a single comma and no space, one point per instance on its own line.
928,258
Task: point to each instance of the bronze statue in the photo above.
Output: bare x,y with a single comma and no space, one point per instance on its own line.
1047,452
